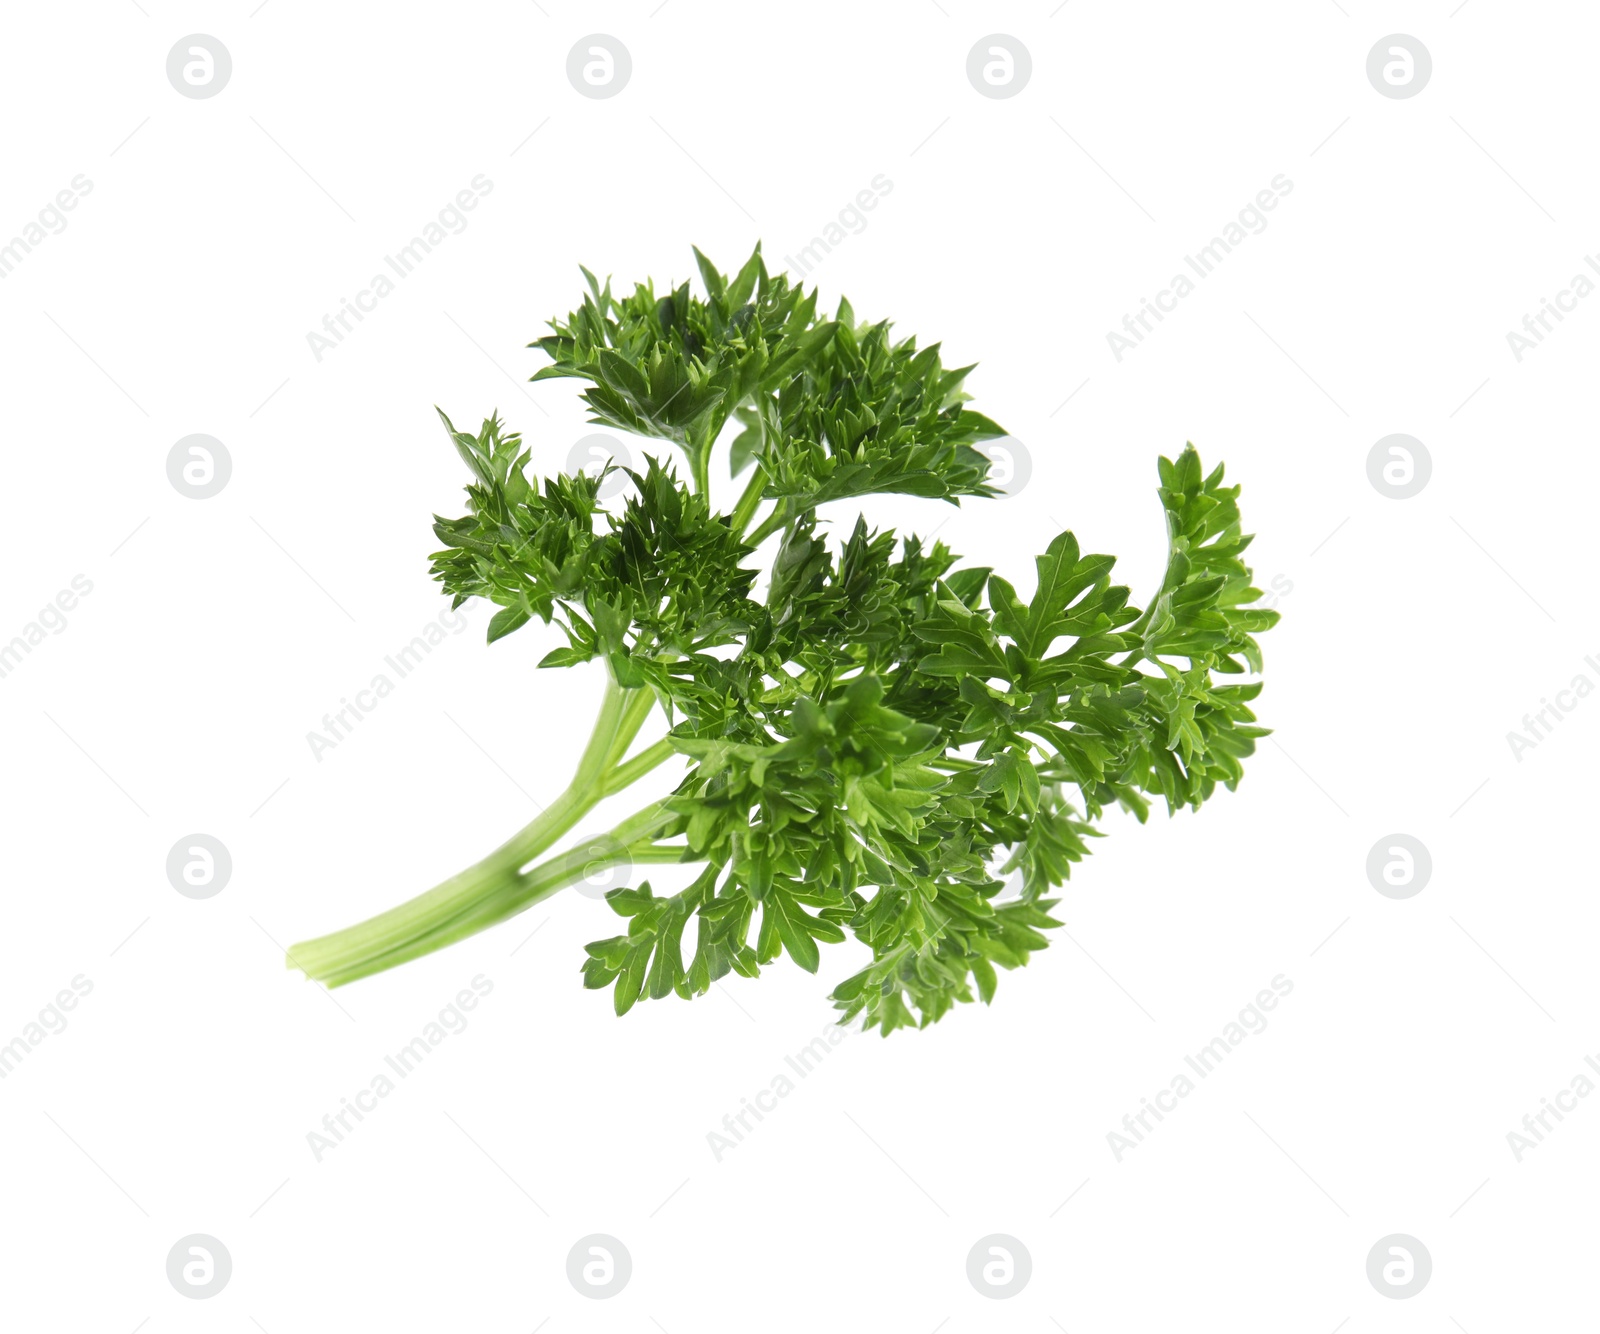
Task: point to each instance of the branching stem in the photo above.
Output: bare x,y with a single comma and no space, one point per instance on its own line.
499,886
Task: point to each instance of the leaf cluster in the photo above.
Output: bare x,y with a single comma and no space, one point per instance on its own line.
882,743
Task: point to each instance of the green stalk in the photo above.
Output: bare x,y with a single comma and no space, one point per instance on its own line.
636,708
1145,617
750,500
436,918
773,522
522,891
700,467
626,774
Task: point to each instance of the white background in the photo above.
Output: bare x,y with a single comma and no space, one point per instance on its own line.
1416,634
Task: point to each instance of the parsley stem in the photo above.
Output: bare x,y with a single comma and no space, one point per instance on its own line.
749,500
1169,577
636,708
626,774
700,465
628,844
437,917
771,524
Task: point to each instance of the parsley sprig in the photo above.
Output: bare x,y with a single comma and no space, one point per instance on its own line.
877,742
